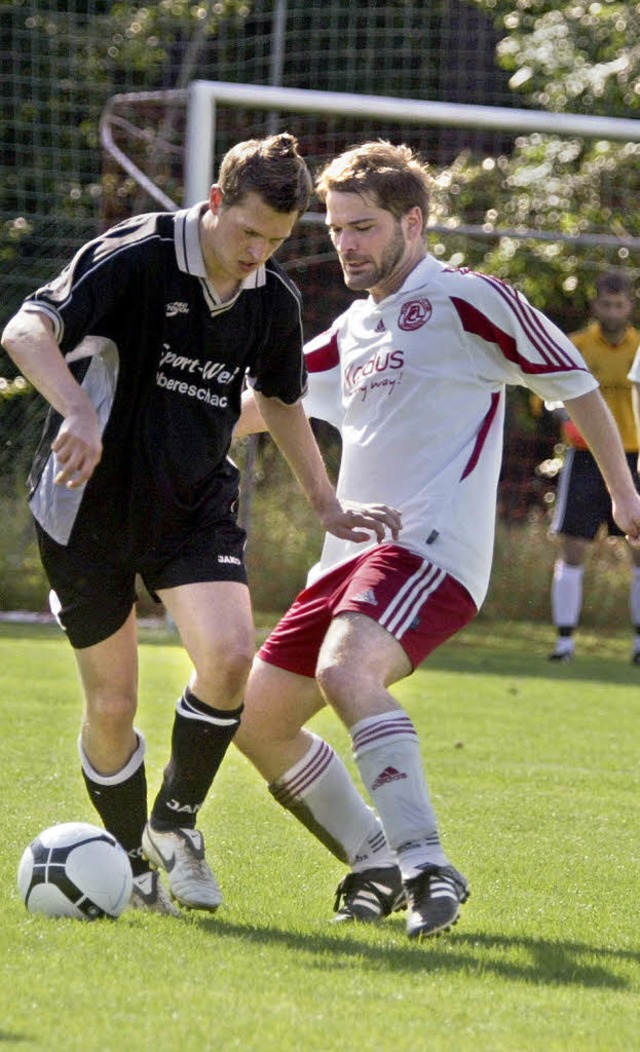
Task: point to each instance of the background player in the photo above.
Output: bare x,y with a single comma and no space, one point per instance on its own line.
608,345
141,346
414,377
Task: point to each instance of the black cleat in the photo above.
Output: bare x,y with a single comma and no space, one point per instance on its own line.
369,896
434,898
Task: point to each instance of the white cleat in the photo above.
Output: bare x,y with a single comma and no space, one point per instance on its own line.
180,853
562,653
149,894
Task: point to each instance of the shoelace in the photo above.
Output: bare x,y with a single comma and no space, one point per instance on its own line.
437,883
354,884
197,868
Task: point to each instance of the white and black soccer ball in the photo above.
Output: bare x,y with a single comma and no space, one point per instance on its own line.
75,870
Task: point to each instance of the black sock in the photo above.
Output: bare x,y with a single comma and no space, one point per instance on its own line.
201,736
123,810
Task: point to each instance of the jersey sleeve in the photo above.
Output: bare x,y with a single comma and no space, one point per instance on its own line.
323,399
97,281
279,369
517,343
634,371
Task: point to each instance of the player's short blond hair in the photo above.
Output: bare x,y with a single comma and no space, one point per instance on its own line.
272,168
393,177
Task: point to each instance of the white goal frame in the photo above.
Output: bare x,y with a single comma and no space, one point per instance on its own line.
202,98
204,95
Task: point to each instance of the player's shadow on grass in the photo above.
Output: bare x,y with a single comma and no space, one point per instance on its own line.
517,958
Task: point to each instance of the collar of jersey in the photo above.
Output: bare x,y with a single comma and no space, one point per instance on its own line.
629,340
189,253
417,278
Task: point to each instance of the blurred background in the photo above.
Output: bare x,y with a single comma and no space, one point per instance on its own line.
93,114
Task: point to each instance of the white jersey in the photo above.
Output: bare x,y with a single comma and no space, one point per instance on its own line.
416,386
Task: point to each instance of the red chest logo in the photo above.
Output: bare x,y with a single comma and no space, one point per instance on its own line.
414,314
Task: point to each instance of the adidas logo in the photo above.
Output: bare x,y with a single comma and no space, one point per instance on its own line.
368,596
388,775
380,327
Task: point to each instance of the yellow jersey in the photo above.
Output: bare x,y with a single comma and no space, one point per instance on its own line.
610,364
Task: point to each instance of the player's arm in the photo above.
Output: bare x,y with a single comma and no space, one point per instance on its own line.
250,421
29,341
291,431
635,403
595,422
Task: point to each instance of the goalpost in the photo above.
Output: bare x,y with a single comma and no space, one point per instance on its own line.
204,97
203,101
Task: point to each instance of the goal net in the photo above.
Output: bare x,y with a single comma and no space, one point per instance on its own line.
113,109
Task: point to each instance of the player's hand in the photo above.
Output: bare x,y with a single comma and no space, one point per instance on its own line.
356,522
633,536
78,448
626,513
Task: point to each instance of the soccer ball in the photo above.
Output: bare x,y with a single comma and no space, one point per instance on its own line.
75,870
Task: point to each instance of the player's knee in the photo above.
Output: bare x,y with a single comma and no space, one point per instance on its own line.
112,712
337,683
225,672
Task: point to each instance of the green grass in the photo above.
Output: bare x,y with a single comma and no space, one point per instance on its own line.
534,773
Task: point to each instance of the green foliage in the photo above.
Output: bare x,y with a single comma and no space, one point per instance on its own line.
523,568
23,585
285,537
285,540
551,187
578,57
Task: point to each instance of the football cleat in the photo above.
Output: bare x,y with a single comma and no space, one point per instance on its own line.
562,653
370,895
180,853
433,900
635,657
149,894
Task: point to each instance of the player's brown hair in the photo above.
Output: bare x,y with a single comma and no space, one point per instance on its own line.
272,168
393,177
614,281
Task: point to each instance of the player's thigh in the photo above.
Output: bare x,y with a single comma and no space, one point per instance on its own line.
277,704
582,501
573,549
215,623
109,673
91,596
357,655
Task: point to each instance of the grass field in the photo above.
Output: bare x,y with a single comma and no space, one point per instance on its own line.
534,773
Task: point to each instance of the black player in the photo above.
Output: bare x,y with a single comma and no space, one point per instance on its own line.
142,346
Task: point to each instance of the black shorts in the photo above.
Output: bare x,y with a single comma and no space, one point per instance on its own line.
95,594
583,503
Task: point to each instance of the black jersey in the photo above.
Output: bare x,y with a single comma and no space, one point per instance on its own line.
164,362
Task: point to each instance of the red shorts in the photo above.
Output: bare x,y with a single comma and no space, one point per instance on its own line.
417,602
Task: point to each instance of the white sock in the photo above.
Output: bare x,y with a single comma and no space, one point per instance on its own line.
634,598
566,594
387,752
127,771
321,794
564,645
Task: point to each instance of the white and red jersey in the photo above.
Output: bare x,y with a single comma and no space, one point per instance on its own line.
416,386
